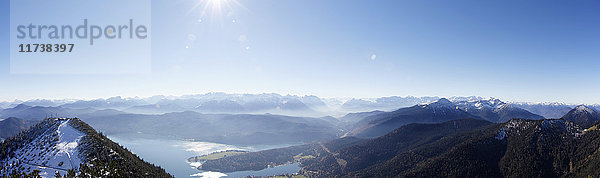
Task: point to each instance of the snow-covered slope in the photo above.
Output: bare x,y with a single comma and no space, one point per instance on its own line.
55,150
583,109
69,147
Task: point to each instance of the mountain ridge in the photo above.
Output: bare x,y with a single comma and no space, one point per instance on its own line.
70,147
436,112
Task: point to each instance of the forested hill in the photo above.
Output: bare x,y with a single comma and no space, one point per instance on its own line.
518,148
70,147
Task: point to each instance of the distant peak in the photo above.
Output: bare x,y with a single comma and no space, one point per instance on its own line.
443,101
583,108
12,119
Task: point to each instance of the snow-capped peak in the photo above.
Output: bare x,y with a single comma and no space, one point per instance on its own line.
442,105
491,103
443,102
583,109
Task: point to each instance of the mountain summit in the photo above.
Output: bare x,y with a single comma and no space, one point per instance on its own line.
70,147
440,105
582,116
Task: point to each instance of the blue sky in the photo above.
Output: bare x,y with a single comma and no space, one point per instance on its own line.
512,49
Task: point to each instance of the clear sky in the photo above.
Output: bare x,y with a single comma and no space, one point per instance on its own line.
534,50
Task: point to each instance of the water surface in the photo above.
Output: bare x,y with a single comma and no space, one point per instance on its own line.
172,155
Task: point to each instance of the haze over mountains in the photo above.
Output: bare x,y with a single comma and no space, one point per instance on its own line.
237,118
239,129
312,106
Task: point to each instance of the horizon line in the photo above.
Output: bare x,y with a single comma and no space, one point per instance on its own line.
345,99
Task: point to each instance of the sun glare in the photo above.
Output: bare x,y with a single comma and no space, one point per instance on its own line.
214,9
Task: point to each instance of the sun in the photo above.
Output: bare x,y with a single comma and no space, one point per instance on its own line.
214,9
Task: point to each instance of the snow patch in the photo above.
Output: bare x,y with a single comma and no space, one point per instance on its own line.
501,134
195,165
515,126
55,150
566,126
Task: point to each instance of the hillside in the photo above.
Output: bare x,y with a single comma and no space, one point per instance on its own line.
13,126
354,154
518,148
352,118
273,157
70,146
378,150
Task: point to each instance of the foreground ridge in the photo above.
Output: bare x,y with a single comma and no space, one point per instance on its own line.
70,147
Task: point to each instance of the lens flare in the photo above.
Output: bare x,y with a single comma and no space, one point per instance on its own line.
215,10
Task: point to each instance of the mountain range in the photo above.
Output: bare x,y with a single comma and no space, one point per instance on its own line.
457,148
254,128
492,110
495,110
223,103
